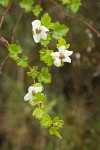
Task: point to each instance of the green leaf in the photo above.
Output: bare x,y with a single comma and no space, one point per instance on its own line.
37,10
46,121
26,5
53,130
4,2
65,1
45,55
14,56
62,42
33,73
44,76
39,97
38,113
22,61
46,21
59,30
58,122
74,5
38,85
13,48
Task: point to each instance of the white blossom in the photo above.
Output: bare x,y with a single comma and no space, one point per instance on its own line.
61,55
31,92
39,31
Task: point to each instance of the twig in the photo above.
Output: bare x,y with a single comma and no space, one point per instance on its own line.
3,16
76,18
15,28
4,41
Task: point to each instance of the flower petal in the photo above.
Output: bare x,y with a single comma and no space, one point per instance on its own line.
57,62
61,49
36,24
30,89
38,89
36,37
68,53
67,59
44,29
43,35
28,97
55,55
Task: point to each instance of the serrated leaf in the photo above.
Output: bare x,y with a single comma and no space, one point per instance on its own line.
22,61
59,30
46,121
46,21
38,113
33,73
65,1
37,85
36,10
26,5
74,5
62,42
13,48
44,76
14,56
53,130
45,55
58,121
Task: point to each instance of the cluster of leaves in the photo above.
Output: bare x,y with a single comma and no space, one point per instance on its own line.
73,5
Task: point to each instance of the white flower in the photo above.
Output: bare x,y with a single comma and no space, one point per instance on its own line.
61,55
31,92
39,31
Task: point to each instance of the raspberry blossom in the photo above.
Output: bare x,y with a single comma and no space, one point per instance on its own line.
61,55
31,92
39,31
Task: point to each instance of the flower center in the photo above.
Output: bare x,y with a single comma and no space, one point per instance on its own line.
40,104
61,56
33,93
38,30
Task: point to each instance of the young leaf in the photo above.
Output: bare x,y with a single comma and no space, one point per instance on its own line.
33,73
38,113
45,55
62,42
53,130
26,5
22,61
39,97
59,30
13,48
44,76
47,41
36,10
46,121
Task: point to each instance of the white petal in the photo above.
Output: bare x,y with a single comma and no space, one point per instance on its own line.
36,24
68,53
30,89
61,49
67,59
57,62
36,37
43,35
37,89
44,28
55,55
28,97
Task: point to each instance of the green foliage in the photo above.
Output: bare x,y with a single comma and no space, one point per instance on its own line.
59,30
37,10
38,113
33,73
54,131
72,4
4,2
26,5
22,61
46,21
39,97
45,55
47,41
62,42
46,121
44,76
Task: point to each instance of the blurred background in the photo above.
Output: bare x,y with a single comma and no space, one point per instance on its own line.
73,95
